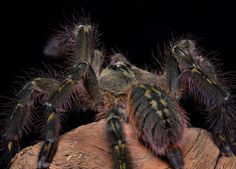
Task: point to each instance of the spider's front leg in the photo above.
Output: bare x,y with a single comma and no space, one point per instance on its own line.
81,71
199,76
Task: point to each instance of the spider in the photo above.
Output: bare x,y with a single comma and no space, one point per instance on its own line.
121,92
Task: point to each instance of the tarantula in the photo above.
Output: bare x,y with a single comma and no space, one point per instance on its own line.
122,92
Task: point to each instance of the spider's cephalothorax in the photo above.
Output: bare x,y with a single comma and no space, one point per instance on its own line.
120,90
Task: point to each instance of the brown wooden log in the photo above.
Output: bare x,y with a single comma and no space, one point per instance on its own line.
87,147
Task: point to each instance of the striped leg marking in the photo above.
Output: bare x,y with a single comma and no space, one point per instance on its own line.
159,120
116,136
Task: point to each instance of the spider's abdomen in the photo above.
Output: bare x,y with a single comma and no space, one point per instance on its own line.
158,119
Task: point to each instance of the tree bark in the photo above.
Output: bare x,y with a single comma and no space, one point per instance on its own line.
87,147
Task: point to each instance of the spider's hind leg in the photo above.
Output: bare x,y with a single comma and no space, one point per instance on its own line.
159,122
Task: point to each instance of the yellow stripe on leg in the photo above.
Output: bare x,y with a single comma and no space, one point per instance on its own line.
10,145
47,147
51,116
67,81
119,149
147,93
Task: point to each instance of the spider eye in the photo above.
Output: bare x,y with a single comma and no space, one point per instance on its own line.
113,67
119,66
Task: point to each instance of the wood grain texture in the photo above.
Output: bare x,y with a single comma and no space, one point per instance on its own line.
87,147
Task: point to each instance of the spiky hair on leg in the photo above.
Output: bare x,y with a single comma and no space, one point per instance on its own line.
210,86
21,112
63,41
202,79
32,90
69,43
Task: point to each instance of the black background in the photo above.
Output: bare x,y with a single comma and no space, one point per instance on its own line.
133,27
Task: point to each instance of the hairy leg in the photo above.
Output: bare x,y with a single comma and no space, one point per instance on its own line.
53,104
83,51
199,76
116,135
21,119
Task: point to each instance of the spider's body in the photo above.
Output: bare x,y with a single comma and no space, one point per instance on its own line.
120,77
147,100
